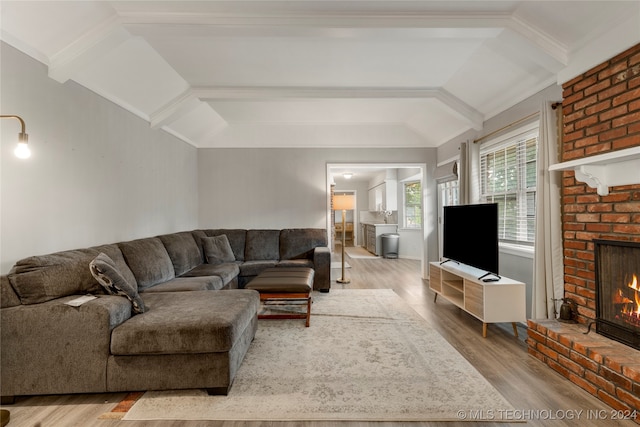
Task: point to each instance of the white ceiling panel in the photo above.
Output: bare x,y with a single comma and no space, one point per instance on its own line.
49,26
313,73
285,61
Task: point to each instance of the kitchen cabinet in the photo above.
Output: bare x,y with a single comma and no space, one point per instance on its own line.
375,198
372,233
384,197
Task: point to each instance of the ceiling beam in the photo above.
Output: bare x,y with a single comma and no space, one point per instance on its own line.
461,109
172,110
92,45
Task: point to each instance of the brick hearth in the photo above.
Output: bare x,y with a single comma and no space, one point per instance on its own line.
605,368
601,113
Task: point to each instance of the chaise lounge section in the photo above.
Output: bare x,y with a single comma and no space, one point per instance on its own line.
195,331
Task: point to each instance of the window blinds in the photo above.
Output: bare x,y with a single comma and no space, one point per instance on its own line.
508,177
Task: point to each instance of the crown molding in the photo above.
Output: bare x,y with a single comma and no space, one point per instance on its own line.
92,45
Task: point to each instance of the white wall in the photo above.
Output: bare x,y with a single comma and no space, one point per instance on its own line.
98,174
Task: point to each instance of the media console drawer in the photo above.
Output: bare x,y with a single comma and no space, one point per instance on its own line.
491,302
473,298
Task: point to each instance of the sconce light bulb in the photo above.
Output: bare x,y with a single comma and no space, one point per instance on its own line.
22,151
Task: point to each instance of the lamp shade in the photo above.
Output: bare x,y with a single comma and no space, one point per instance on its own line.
343,202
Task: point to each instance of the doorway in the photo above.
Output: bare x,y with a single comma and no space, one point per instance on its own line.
361,178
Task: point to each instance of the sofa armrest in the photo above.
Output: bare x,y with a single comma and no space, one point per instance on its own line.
54,348
322,267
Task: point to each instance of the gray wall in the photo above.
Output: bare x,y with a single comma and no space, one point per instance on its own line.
284,187
517,266
98,174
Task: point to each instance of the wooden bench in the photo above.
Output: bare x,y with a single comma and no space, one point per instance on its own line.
284,285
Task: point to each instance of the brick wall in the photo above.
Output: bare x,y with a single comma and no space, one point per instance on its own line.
601,113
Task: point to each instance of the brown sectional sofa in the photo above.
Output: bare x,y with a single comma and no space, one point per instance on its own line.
190,337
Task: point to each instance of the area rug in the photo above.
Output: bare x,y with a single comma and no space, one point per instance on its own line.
367,356
360,252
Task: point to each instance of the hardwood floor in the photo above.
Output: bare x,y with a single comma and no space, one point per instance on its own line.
536,391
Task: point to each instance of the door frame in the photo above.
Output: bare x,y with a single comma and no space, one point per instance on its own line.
426,206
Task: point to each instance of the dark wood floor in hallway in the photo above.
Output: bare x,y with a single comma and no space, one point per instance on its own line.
541,396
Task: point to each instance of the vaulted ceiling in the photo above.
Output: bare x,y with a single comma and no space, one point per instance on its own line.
317,73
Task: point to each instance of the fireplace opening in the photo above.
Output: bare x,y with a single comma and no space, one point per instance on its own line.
618,290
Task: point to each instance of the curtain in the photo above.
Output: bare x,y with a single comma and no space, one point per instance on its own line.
469,173
548,269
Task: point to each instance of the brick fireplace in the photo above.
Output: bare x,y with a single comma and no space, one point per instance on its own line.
601,114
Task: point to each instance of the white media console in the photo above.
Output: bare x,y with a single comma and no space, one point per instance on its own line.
498,301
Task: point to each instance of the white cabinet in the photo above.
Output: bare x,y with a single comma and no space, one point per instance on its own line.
384,197
390,195
375,198
491,302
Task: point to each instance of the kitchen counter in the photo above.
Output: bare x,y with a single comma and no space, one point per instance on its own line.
373,231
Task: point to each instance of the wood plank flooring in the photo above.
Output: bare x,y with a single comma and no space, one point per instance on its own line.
532,388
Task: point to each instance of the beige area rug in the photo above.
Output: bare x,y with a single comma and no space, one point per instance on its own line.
367,356
359,252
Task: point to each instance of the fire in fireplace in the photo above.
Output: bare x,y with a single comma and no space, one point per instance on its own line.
618,290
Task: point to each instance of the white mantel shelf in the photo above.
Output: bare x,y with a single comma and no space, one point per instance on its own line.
620,167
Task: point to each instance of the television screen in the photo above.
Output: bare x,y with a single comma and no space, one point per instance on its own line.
470,235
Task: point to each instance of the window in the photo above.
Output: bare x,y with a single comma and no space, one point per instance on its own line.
508,177
449,193
412,204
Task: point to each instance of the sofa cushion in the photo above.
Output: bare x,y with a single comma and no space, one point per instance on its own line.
43,278
104,270
217,249
187,322
262,245
297,243
237,240
179,284
253,268
148,260
227,272
289,263
183,250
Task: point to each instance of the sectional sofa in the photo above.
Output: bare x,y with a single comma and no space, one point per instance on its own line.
188,324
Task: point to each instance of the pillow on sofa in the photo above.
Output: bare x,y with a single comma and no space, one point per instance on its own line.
104,269
217,249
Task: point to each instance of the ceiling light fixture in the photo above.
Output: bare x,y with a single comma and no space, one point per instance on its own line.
22,151
347,175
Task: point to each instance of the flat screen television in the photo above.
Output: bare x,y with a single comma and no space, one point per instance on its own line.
470,235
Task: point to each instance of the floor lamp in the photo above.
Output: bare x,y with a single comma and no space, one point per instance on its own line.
343,202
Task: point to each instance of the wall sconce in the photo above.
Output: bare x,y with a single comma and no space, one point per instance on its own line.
22,151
